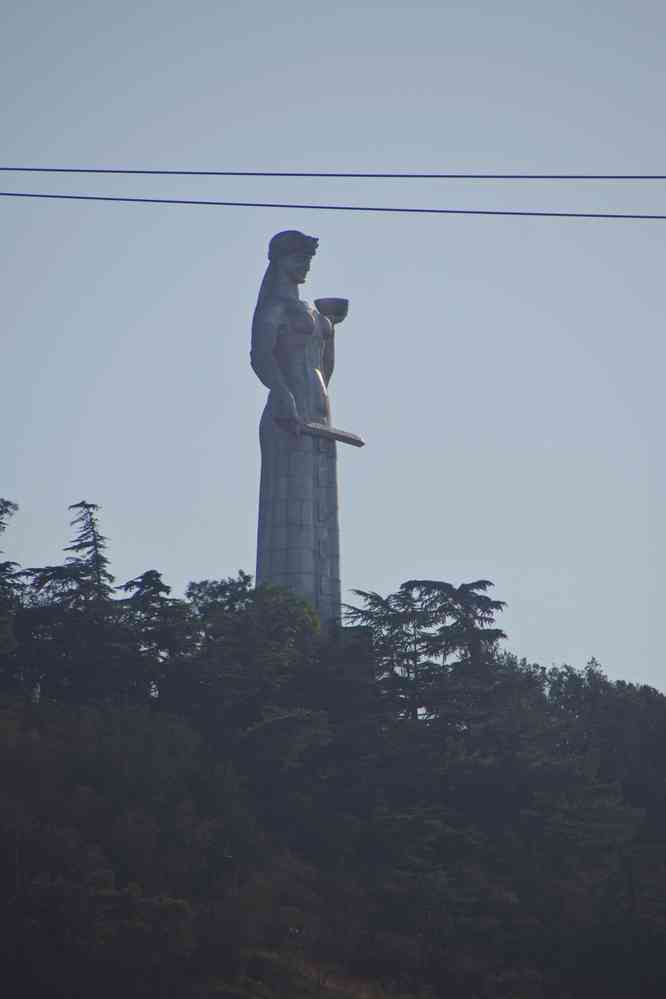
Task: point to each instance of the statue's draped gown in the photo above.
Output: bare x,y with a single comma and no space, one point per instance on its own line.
298,535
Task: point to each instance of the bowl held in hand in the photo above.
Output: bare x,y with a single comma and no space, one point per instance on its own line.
334,309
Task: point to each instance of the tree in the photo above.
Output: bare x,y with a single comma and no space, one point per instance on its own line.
10,585
425,634
253,645
72,644
398,626
210,788
462,641
159,632
84,578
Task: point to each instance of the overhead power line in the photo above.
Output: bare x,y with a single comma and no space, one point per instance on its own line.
340,175
334,208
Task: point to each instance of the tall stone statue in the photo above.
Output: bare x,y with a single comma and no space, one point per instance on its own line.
293,354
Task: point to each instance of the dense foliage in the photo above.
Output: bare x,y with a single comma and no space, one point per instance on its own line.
208,797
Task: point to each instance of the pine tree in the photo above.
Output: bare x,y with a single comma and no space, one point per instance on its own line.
399,626
159,632
71,644
462,646
425,634
84,578
89,547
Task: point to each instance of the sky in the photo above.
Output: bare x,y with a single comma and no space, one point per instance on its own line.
506,373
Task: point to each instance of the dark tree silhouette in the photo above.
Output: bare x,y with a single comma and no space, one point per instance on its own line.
10,585
207,797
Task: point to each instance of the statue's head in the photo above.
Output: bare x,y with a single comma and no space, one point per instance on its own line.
291,252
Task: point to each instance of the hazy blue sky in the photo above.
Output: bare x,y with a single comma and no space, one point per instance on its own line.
507,374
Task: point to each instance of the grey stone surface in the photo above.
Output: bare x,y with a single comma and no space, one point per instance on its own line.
293,355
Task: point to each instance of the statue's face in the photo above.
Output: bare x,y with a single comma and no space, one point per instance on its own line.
296,266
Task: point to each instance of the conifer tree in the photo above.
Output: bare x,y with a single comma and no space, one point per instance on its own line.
84,577
399,626
159,630
89,549
462,645
72,644
424,633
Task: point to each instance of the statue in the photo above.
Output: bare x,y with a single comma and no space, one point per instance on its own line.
293,354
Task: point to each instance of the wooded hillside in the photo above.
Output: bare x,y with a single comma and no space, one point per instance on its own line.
208,797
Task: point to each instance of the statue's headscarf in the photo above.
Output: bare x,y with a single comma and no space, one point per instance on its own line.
282,244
